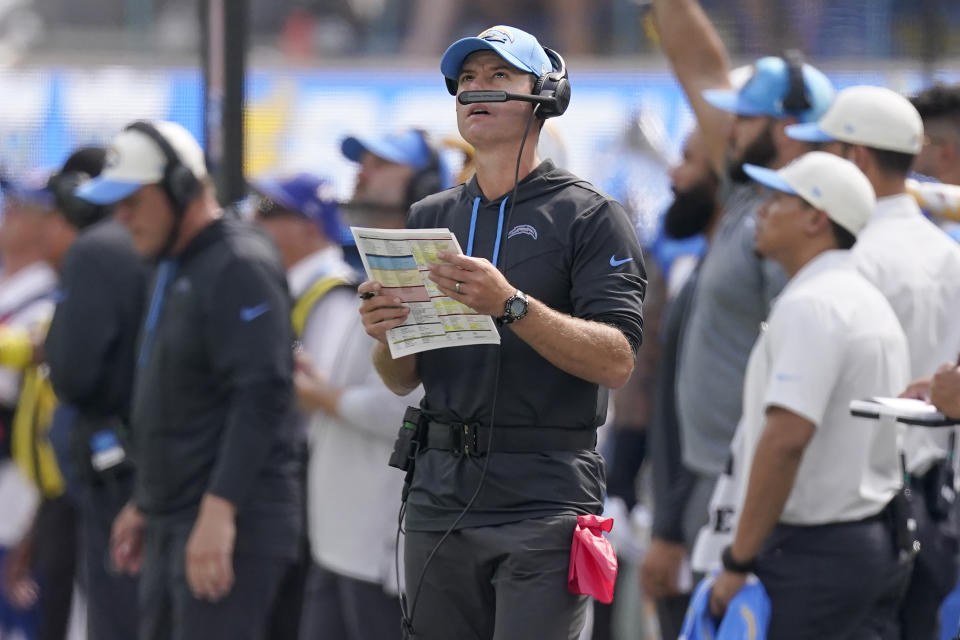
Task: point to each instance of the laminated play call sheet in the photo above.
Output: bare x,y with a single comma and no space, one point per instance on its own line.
399,260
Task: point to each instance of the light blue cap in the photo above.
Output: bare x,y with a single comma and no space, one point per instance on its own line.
764,92
409,147
516,46
769,178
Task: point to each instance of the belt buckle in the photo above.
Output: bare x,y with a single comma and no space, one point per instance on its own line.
464,439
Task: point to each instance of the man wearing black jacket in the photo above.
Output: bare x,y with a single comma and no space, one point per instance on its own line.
90,351
215,517
490,519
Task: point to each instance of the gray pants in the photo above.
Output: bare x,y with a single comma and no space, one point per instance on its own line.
335,606
836,581
168,610
500,582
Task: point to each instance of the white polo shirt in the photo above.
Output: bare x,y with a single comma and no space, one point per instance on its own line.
916,266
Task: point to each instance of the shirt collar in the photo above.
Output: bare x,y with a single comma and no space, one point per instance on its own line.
826,261
309,268
901,205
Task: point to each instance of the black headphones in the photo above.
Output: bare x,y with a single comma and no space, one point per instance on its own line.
553,84
427,180
77,211
179,183
796,98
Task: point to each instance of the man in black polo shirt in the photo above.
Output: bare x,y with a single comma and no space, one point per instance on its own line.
565,270
216,489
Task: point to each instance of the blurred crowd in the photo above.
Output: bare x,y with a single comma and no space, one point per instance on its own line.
193,435
305,29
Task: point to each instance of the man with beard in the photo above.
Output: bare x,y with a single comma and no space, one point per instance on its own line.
735,286
676,518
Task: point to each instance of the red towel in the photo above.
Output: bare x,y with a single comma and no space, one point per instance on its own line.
593,562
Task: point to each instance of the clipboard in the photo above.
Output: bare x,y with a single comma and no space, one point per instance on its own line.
905,410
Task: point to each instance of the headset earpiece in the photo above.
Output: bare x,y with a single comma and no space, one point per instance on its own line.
796,98
179,183
554,84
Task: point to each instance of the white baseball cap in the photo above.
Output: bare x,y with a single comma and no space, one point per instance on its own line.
134,160
827,182
870,116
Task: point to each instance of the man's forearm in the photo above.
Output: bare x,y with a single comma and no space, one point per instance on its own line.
400,374
770,483
593,351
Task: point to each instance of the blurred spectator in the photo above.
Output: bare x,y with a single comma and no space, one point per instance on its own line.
216,514
906,257
939,107
353,419
96,322
27,284
676,516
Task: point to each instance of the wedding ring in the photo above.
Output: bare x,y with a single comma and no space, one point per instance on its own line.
456,287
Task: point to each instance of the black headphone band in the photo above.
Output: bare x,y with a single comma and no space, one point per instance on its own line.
178,194
796,98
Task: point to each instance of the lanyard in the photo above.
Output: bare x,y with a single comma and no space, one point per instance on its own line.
165,272
473,228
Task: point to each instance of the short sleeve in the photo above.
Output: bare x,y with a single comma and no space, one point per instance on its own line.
805,358
608,275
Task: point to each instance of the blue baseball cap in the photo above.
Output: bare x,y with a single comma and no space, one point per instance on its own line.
409,147
308,196
517,47
763,93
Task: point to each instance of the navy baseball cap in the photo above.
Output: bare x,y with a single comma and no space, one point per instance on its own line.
763,93
409,147
517,47
30,190
306,195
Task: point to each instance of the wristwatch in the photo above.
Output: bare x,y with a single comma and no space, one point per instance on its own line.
730,564
514,308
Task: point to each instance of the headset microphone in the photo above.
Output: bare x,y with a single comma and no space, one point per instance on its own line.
473,97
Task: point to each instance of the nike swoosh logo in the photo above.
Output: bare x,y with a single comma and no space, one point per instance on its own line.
251,313
616,263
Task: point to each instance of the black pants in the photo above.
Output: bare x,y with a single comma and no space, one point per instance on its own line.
501,582
336,606
842,581
934,571
168,610
111,597
54,561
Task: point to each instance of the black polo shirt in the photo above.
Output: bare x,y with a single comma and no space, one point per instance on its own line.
574,249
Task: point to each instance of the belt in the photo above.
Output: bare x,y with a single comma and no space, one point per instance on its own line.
471,439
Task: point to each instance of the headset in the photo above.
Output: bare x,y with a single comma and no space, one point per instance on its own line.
179,182
77,211
796,98
551,91
427,180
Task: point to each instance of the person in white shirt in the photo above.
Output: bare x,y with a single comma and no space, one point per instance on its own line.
353,496
917,268
817,484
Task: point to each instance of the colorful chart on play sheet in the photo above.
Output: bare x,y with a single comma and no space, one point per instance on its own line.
399,259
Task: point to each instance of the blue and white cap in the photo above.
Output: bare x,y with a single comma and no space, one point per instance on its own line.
517,47
135,160
827,182
763,93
